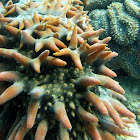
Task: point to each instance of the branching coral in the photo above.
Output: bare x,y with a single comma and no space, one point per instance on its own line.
46,79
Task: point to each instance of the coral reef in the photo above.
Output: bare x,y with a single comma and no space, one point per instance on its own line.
124,28
94,4
48,88
121,21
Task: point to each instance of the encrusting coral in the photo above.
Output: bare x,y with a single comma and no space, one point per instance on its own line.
47,84
121,21
124,28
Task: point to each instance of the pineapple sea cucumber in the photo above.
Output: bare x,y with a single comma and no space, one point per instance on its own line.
48,90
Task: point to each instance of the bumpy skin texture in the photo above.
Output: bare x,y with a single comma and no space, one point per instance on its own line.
48,89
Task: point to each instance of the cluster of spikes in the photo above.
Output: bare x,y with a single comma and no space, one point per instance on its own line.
57,29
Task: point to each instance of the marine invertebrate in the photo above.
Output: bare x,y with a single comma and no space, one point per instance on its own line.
133,7
120,19
99,4
118,23
101,20
124,28
48,90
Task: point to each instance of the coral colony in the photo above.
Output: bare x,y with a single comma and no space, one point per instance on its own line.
47,86
121,20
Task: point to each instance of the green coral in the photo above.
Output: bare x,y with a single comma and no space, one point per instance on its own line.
124,28
133,7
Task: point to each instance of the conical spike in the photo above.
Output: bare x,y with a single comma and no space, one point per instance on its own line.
60,112
73,41
11,92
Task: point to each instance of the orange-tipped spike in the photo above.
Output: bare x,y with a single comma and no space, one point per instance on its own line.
43,55
27,38
106,71
14,31
77,2
88,81
55,61
23,60
76,17
76,59
38,46
7,52
105,40
60,112
22,131
49,43
115,129
45,33
110,56
36,18
95,101
73,54
113,114
21,25
73,41
121,109
92,130
53,22
110,83
11,92
35,63
59,43
53,28
41,130
19,10
116,94
83,114
95,47
70,13
104,54
12,10
8,20
62,52
92,57
14,23
89,34
128,120
32,112
82,48
32,4
8,76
